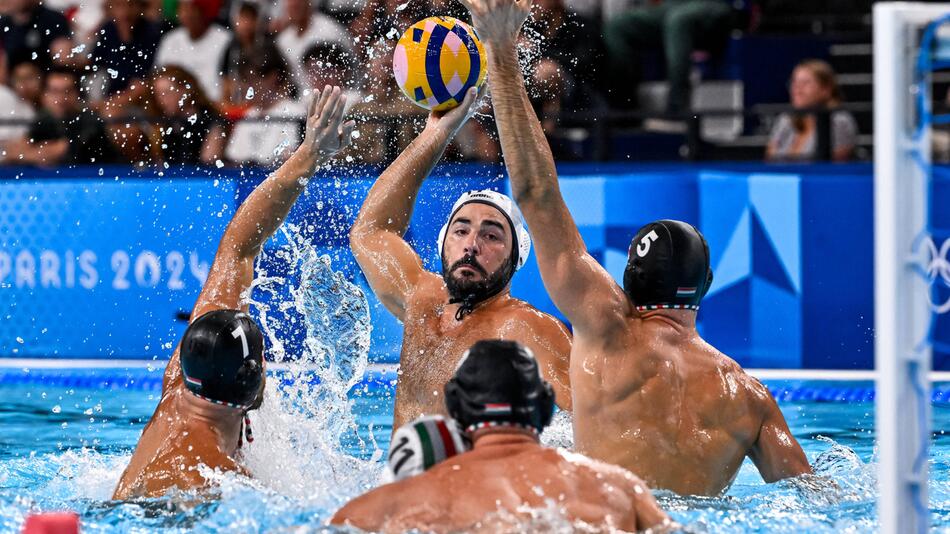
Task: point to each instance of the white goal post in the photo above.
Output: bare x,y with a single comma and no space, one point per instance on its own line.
902,242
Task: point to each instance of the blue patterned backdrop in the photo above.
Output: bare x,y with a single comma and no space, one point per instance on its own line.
98,264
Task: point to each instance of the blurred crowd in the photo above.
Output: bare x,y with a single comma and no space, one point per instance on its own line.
213,82
224,82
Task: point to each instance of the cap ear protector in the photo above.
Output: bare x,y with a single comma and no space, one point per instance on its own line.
668,267
421,444
498,382
222,358
521,239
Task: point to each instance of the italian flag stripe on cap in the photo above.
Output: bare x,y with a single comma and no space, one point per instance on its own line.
428,459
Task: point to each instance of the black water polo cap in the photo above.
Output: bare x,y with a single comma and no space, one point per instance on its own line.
222,358
498,382
667,267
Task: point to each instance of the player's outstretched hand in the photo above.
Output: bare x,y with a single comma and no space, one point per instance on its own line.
452,120
498,22
326,133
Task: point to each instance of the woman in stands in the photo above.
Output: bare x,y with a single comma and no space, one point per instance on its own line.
190,130
813,87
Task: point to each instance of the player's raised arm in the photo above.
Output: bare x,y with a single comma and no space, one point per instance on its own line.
391,267
570,274
267,206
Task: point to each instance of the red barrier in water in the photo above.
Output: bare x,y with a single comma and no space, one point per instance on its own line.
52,523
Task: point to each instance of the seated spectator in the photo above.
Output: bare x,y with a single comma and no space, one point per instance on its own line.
190,131
239,53
675,27
12,108
570,53
27,82
268,140
125,47
305,27
330,64
502,404
198,45
31,33
65,132
813,87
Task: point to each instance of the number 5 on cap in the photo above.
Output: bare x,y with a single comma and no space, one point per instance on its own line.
644,247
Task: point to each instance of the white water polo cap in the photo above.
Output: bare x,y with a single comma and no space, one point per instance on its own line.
421,444
504,204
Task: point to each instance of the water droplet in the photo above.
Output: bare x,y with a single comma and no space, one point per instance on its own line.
56,409
113,73
250,93
218,163
193,119
19,340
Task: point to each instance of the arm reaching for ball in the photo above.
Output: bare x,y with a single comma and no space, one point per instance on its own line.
265,209
571,275
391,267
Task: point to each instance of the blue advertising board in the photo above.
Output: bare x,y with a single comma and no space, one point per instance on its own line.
98,265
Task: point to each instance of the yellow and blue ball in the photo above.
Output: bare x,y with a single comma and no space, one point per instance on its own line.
437,60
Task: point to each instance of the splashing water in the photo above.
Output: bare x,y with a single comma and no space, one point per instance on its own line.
307,414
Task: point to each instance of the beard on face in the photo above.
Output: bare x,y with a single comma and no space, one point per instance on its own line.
461,288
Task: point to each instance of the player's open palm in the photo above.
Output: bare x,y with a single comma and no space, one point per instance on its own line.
326,133
498,22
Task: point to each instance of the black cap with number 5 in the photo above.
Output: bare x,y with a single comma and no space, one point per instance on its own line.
222,359
667,267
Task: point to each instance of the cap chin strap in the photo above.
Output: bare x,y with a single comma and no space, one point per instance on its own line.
468,303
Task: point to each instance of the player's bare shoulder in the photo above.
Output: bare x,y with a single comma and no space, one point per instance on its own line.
429,293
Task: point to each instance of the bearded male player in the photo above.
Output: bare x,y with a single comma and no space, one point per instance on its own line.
482,244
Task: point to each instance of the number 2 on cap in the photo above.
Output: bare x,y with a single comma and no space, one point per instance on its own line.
644,247
239,333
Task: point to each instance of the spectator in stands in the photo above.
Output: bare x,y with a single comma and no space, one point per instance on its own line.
239,54
198,45
125,47
675,27
190,130
271,138
331,64
813,87
305,27
31,33
65,132
12,108
27,82
567,73
571,49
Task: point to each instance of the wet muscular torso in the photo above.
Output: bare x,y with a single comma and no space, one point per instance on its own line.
665,405
484,491
434,342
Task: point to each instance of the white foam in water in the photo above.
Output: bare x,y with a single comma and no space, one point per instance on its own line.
297,447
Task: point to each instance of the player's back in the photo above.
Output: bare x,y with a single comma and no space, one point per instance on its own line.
492,490
651,396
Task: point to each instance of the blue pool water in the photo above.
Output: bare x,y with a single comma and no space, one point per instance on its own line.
63,447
